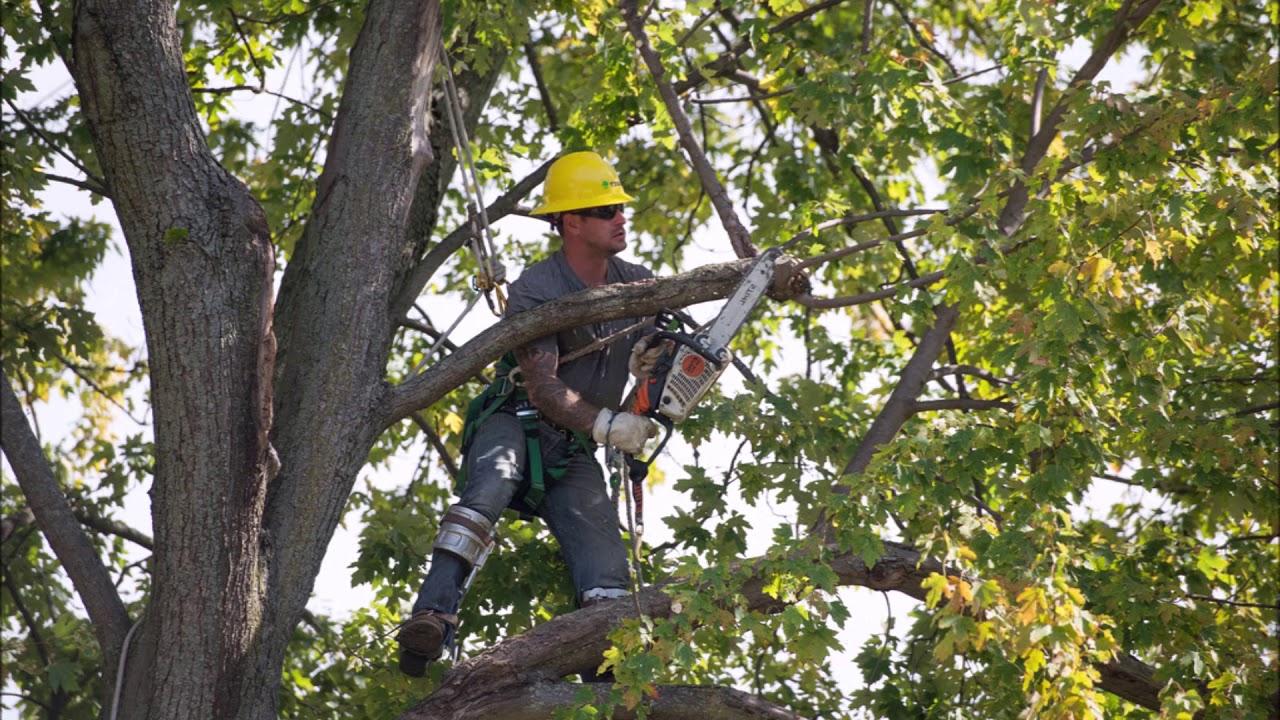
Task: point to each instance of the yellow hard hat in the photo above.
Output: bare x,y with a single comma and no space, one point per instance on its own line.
580,180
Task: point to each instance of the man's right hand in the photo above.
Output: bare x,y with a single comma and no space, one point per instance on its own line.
625,431
643,357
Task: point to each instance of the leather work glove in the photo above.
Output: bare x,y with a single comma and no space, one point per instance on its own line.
625,431
644,357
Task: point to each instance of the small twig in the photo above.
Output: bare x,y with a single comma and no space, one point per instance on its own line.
818,303
697,24
531,54
256,89
802,15
1234,603
31,125
1256,409
842,252
975,73
437,444
868,11
31,699
915,33
285,17
77,370
748,98
124,571
235,21
82,184
1268,537
972,370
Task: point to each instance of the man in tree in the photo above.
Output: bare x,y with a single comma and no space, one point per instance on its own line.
530,438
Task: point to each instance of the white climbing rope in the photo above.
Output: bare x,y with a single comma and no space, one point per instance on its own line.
492,274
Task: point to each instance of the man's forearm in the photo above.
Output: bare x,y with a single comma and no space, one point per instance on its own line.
558,402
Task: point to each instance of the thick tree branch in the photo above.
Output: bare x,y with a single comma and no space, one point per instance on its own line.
959,404
336,310
868,12
739,238
608,302
498,209
56,520
1128,18
897,409
539,700
89,519
566,644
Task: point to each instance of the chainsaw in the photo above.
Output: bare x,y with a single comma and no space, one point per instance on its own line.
683,374
691,365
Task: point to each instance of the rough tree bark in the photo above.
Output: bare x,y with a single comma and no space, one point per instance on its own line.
203,263
212,644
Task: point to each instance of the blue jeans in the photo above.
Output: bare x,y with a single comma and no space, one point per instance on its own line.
576,508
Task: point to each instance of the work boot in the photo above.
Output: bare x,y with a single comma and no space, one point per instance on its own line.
423,638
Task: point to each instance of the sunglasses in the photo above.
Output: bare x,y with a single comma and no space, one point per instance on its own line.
604,212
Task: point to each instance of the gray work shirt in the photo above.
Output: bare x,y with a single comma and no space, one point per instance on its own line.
599,376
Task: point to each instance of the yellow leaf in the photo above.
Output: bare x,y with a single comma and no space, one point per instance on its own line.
1059,268
1155,250
1093,269
452,422
1035,661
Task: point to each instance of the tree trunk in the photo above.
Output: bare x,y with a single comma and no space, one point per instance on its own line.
212,644
203,263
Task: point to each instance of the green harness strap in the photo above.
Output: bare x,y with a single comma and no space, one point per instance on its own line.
501,391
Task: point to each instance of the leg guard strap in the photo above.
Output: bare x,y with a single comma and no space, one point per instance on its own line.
467,534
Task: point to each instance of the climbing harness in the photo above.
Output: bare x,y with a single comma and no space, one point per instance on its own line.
506,391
